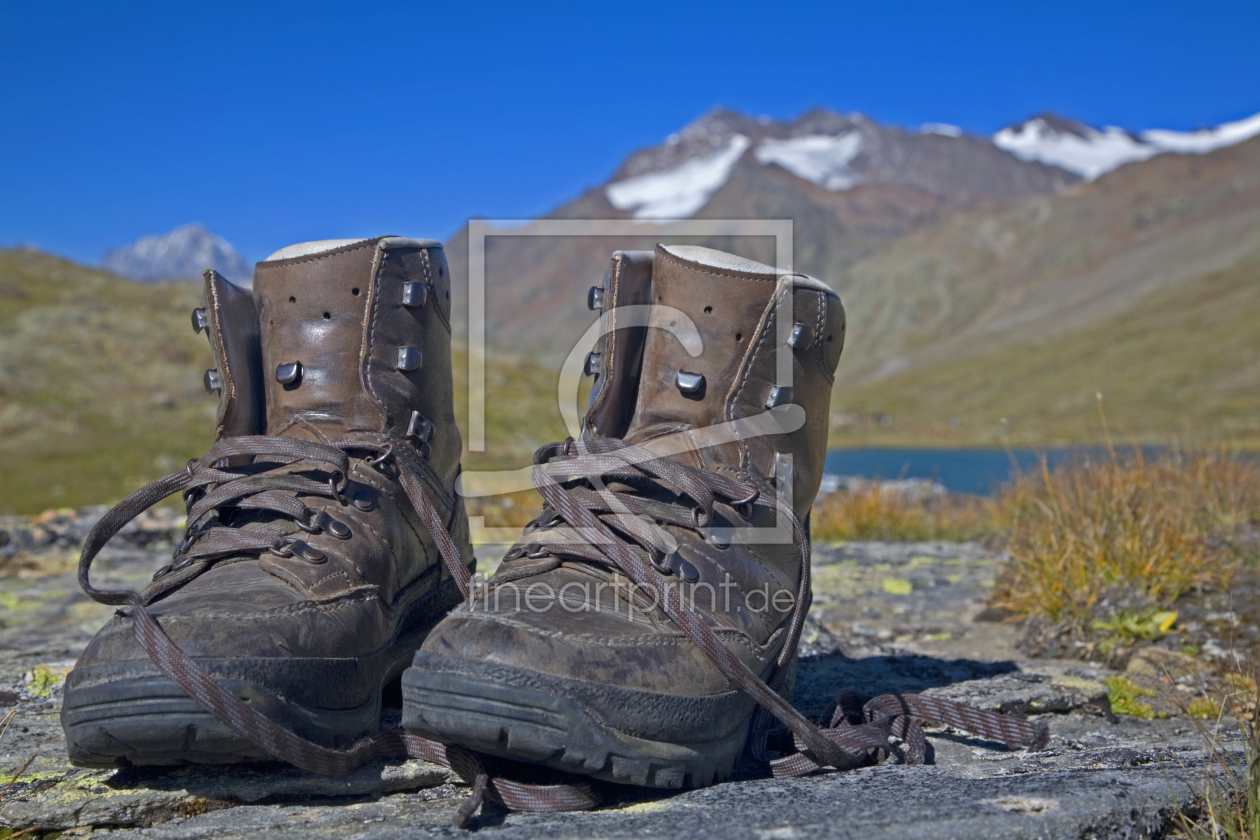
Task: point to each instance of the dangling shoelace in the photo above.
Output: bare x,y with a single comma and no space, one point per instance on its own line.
843,745
208,486
595,512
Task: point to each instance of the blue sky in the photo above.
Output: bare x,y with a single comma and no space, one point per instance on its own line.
278,123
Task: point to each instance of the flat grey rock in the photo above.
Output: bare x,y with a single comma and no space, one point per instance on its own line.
888,617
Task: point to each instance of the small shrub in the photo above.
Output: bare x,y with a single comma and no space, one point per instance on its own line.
1156,528
876,513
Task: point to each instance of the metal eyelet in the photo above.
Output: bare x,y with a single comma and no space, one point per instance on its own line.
661,561
779,395
282,547
380,460
293,547
415,294
516,553
212,381
312,525
744,507
802,336
321,522
686,570
309,553
162,571
689,383
336,491
362,500
700,517
536,550
289,373
717,540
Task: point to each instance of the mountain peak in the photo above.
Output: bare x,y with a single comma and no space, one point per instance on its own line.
182,254
821,148
1052,123
1091,152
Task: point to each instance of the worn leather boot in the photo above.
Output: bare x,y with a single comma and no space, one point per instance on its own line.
638,621
312,565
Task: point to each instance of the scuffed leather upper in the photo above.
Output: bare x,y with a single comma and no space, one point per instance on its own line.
735,307
340,313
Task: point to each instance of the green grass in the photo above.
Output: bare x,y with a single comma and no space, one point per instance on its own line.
100,387
1183,363
99,383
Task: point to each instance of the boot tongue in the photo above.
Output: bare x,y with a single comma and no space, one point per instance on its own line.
725,298
312,308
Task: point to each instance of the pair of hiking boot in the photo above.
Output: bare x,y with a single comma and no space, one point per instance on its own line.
642,630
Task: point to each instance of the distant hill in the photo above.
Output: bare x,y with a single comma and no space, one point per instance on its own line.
182,254
1144,285
100,387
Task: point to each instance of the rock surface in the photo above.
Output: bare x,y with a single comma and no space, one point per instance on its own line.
887,617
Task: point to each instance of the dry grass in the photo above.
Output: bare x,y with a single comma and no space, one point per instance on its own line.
873,513
878,513
1155,528
1228,806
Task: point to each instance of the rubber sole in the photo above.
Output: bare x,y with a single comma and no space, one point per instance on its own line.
129,713
149,720
567,724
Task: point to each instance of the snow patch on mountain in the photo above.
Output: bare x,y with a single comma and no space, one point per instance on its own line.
1081,149
1091,152
680,191
819,158
1204,140
943,129
182,254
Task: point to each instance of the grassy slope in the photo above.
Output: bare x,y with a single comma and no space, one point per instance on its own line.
100,387
99,382
1049,265
1185,361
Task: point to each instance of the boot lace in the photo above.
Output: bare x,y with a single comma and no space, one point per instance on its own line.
214,493
609,527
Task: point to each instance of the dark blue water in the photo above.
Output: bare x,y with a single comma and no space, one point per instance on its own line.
978,471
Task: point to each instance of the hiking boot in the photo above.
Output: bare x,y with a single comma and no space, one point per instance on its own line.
635,625
312,564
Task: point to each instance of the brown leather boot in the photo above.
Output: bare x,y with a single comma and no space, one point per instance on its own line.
312,565
623,634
